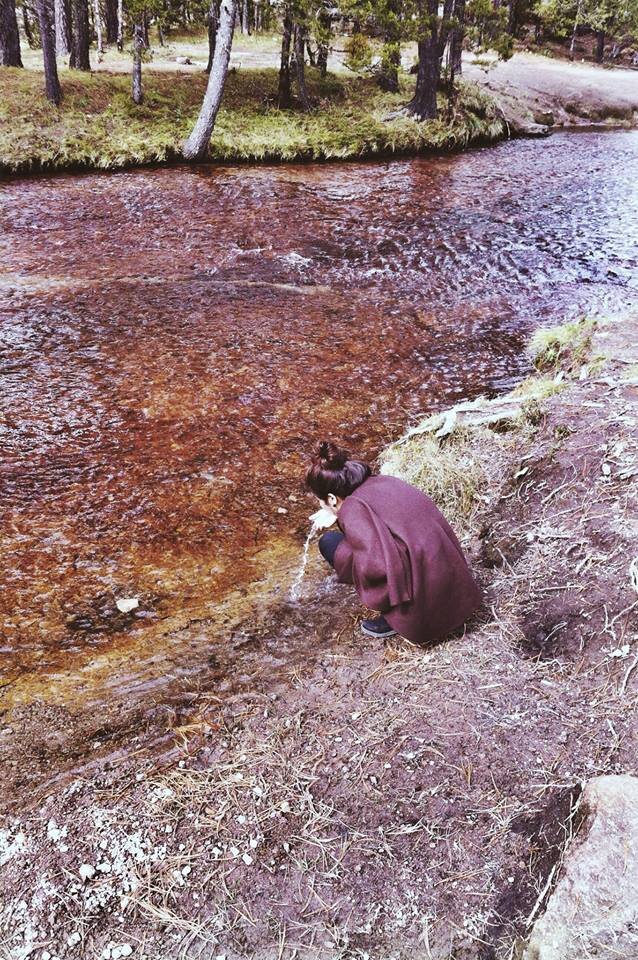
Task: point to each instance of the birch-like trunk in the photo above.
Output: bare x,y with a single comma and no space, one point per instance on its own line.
196,145
283,90
97,19
62,29
47,36
300,44
213,24
575,30
120,25
9,36
138,44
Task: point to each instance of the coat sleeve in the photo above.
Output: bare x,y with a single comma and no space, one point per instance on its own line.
376,562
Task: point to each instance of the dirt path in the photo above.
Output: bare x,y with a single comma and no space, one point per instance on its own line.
532,88
385,802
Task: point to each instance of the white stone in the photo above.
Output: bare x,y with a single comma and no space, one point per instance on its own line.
593,910
74,939
126,604
86,871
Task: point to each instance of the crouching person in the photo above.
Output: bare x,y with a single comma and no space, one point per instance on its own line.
395,546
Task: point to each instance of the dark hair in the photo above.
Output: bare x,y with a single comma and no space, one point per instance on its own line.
332,471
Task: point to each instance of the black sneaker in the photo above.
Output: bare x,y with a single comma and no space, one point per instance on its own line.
379,627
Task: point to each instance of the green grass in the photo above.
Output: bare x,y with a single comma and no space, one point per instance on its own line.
98,126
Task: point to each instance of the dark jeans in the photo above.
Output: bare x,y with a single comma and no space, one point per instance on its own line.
328,543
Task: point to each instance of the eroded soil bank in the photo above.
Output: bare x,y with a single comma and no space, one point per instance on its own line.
384,801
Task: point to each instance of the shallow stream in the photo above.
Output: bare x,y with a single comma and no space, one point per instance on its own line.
174,341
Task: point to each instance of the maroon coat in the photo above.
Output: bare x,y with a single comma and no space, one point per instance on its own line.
404,559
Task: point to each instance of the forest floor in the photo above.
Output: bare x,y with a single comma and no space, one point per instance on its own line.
385,801
98,126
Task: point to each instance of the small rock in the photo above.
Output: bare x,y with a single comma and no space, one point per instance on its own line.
126,604
545,118
247,859
86,871
74,939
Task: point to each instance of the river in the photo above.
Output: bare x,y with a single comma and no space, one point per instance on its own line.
173,342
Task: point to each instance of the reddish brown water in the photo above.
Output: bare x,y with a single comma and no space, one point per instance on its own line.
174,341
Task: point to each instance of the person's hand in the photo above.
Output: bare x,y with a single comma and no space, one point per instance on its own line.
324,517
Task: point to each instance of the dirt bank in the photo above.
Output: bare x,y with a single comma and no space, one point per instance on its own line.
385,801
537,93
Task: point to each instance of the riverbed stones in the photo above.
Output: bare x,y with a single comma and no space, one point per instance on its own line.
594,909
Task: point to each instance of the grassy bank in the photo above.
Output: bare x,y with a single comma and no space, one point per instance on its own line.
98,126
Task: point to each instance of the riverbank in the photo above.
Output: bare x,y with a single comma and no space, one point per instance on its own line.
386,801
98,126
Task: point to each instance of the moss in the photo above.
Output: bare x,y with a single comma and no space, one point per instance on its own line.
97,124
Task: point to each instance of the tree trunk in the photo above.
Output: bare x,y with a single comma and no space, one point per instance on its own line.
62,28
138,46
283,92
110,20
47,34
9,35
160,34
79,59
456,40
213,24
97,19
600,45
27,27
323,40
388,75
423,104
245,25
257,16
120,25
431,47
575,30
300,43
322,59
196,145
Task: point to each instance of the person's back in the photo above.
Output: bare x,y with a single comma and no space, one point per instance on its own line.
396,547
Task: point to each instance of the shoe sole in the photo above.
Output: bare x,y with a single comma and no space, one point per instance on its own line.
374,633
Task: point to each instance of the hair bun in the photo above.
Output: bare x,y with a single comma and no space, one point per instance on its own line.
332,456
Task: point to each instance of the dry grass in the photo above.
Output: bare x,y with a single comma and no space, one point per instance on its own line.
564,347
450,470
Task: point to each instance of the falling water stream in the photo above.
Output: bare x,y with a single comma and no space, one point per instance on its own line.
295,589
172,343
